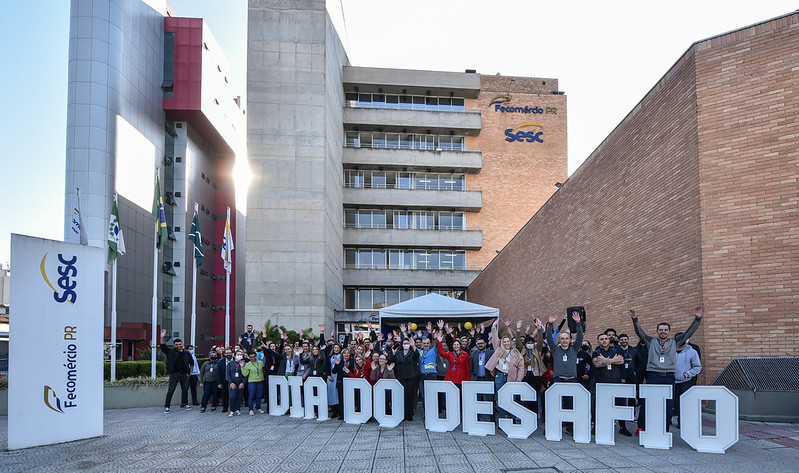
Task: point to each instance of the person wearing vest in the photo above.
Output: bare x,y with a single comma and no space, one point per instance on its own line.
662,357
209,378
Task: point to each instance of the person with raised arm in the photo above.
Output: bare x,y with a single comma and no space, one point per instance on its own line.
564,357
662,357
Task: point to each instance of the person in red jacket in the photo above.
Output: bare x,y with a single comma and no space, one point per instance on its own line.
458,359
371,365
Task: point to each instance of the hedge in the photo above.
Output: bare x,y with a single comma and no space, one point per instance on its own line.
134,369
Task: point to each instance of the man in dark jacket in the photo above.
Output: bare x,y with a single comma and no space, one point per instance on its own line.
408,373
608,361
178,365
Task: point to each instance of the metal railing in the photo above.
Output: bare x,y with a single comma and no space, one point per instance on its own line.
414,147
410,106
388,227
386,268
355,185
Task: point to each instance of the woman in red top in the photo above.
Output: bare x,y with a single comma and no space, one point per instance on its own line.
458,359
358,371
369,366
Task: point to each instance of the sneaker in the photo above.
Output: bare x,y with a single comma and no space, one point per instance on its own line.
202,409
231,414
238,413
188,408
166,410
260,411
213,409
251,412
638,432
625,432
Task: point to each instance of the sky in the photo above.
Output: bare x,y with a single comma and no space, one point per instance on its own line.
605,55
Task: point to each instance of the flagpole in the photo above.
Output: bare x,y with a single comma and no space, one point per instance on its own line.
227,298
154,320
194,289
114,320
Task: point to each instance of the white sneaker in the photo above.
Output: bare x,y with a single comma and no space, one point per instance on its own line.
231,414
238,413
251,412
260,411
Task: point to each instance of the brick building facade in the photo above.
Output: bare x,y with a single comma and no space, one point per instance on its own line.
692,198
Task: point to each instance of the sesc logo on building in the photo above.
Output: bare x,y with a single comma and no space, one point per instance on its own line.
66,271
532,135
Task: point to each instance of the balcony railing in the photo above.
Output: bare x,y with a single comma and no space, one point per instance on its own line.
414,186
412,146
379,226
384,267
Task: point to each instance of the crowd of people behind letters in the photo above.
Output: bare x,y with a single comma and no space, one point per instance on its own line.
501,352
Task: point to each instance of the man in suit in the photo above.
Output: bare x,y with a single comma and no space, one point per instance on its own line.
477,365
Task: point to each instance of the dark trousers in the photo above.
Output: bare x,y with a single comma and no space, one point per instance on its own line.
409,386
255,393
236,396
653,377
209,393
174,379
679,389
224,394
567,401
193,388
535,383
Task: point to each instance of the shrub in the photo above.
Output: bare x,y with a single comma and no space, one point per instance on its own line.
139,381
134,369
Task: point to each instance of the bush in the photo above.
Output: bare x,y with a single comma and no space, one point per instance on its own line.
136,382
134,369
4,383
145,355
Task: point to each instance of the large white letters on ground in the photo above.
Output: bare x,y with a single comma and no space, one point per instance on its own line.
278,384
452,403
607,411
529,419
295,383
55,335
363,390
579,415
655,435
726,418
397,402
472,407
316,396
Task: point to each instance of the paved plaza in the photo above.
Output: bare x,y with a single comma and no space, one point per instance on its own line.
146,439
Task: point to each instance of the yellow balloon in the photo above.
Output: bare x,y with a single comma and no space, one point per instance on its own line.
413,326
468,325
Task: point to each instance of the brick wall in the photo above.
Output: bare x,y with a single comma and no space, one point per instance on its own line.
622,232
693,197
518,177
748,96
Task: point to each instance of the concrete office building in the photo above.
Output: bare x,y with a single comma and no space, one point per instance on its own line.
692,198
149,90
372,186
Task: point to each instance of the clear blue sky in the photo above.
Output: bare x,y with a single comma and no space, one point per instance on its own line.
606,55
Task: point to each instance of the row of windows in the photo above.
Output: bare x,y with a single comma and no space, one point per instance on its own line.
383,258
368,139
405,102
404,180
368,299
404,219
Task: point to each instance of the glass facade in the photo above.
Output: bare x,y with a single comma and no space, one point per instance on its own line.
404,219
380,140
405,102
377,298
438,181
405,259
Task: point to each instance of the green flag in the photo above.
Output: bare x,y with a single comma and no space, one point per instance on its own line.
158,213
196,237
116,242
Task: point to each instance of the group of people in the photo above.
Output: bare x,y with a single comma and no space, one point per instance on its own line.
537,354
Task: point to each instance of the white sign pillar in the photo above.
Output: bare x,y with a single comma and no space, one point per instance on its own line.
579,415
364,393
726,418
57,291
529,419
472,407
278,384
607,411
397,402
655,435
452,403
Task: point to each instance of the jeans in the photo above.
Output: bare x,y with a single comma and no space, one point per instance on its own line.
209,392
235,397
255,393
653,377
174,379
568,401
499,380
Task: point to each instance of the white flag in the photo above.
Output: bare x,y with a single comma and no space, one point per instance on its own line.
78,234
227,245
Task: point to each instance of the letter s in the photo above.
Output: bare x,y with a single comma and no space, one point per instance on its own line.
510,136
